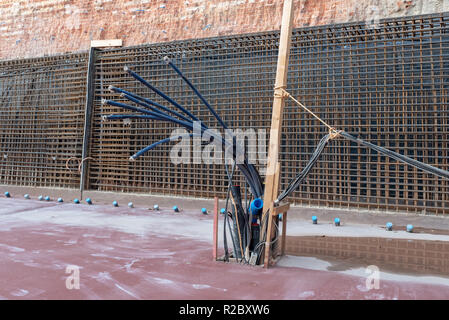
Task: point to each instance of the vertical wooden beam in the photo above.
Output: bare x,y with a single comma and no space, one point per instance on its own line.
215,236
284,233
88,119
273,171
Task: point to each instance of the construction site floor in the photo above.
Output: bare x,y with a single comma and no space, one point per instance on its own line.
137,253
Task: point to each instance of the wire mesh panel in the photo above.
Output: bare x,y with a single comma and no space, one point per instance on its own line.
42,105
388,86
229,73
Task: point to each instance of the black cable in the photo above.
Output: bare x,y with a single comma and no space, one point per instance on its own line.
293,185
400,157
225,241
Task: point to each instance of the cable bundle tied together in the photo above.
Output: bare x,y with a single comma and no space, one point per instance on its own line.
148,109
333,133
151,110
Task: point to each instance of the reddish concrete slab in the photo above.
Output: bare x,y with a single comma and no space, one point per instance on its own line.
127,253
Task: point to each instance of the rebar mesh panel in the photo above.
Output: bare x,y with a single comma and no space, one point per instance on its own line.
42,105
387,85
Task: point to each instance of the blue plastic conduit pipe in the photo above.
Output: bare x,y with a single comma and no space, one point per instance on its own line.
145,105
252,171
158,116
254,187
152,146
248,170
127,116
256,206
129,95
170,63
158,92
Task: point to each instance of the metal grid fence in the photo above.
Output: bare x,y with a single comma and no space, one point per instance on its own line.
42,105
387,85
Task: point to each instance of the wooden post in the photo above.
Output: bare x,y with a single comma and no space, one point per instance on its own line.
215,236
90,92
284,233
273,167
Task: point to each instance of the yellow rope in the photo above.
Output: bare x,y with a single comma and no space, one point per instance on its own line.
68,160
80,163
333,133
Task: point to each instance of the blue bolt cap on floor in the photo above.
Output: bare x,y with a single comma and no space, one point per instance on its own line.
204,210
41,198
7,194
89,201
115,203
27,196
337,222
77,201
60,200
389,226
314,220
409,228
47,198
223,211
156,207
130,204
175,209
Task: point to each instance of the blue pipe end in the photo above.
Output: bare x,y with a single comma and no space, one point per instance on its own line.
130,204
337,222
156,207
41,198
115,203
60,200
389,226
410,228
175,209
88,201
26,196
223,211
7,194
77,201
314,220
256,206
47,198
204,210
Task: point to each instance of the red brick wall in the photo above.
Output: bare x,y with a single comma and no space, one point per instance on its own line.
31,28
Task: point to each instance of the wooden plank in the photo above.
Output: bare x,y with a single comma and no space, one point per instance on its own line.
282,208
106,43
273,171
284,233
266,256
215,236
268,243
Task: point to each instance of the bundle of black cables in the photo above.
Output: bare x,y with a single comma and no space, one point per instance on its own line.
151,110
294,184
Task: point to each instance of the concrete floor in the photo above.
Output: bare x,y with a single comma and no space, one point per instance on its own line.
125,253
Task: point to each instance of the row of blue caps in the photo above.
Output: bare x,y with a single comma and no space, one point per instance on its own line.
388,226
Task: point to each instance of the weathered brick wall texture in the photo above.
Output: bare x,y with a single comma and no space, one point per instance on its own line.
32,28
